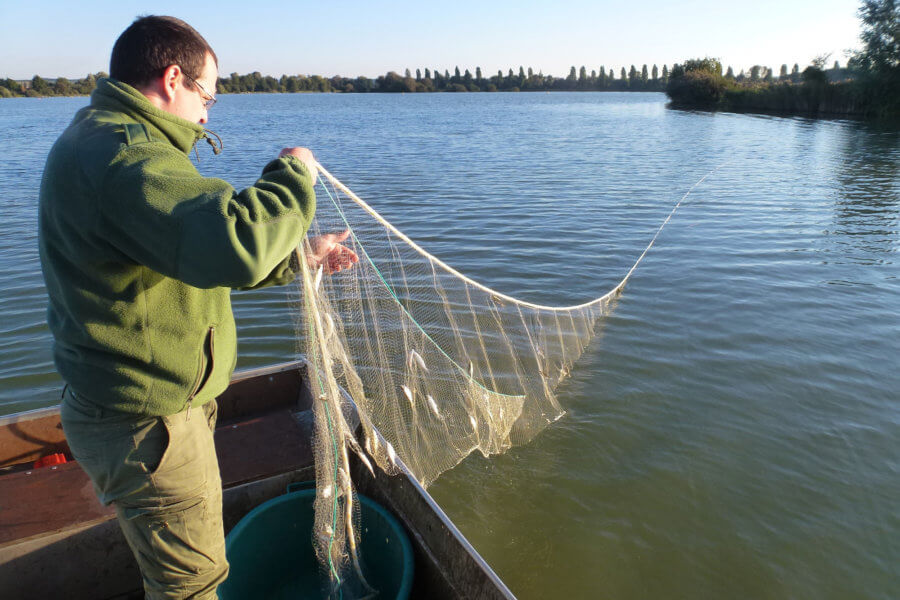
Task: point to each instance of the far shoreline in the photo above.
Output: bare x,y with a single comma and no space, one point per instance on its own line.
807,114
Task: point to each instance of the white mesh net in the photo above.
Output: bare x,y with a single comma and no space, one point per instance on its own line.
437,364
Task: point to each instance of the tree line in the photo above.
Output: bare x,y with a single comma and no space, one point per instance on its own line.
652,79
645,79
434,80
39,87
428,80
699,83
869,85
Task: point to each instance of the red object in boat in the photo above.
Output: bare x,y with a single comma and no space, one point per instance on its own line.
49,460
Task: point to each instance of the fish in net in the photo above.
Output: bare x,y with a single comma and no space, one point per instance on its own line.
437,365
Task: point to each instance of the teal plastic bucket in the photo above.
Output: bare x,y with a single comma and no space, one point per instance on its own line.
271,553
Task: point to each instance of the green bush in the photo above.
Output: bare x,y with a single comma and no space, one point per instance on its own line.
697,88
814,76
705,65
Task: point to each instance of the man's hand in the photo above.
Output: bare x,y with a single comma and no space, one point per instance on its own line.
306,157
326,250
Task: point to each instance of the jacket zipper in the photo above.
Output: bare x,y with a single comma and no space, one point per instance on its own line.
203,369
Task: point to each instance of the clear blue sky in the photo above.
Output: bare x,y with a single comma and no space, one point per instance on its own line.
350,37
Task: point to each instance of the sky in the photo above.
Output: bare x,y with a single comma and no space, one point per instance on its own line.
55,38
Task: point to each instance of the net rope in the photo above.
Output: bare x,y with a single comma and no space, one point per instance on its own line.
437,365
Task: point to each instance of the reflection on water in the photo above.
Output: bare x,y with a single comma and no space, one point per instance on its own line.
867,210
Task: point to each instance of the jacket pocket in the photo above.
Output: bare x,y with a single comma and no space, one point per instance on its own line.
207,364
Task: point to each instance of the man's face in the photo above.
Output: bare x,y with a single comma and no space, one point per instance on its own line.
190,101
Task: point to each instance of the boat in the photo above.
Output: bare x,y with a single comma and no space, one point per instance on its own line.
58,541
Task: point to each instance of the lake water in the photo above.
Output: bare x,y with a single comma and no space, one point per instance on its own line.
734,432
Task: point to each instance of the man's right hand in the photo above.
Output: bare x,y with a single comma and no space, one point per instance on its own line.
306,157
327,251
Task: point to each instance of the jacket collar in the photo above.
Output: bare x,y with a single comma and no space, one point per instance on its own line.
111,94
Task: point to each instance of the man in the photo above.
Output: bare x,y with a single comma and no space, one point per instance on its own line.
140,253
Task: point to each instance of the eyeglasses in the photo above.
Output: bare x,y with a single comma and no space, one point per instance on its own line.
209,101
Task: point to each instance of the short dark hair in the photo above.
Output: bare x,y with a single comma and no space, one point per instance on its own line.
153,43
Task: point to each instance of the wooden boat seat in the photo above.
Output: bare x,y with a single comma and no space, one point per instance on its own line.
54,498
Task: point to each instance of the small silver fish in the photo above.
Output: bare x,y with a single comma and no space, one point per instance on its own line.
415,357
371,442
433,405
392,454
366,462
326,491
471,370
472,421
409,396
330,323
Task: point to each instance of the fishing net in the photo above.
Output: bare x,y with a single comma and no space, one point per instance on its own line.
437,365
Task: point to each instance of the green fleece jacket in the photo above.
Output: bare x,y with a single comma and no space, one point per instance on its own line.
140,253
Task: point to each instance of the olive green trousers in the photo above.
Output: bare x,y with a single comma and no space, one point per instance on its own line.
162,475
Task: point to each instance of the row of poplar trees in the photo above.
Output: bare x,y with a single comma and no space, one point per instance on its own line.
428,80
